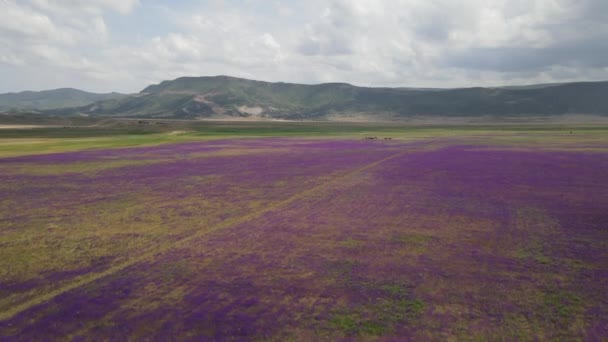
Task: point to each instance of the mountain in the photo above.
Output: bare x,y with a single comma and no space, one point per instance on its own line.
51,99
229,97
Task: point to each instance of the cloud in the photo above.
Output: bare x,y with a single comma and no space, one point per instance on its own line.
26,24
106,44
565,34
58,39
582,54
89,6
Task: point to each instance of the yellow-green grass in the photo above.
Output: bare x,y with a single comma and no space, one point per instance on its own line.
129,229
550,136
412,254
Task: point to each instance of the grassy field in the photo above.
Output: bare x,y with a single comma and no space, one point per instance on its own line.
304,231
130,133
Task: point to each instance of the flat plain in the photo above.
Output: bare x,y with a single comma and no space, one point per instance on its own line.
304,232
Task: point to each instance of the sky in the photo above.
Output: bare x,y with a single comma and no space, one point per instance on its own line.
125,45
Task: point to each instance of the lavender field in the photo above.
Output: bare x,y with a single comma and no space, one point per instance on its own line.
445,238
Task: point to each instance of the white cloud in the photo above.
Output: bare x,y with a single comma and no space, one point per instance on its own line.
88,6
27,24
366,42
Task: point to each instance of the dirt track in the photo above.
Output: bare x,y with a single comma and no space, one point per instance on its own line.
24,126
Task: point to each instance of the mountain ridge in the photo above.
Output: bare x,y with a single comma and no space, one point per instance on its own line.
217,97
51,99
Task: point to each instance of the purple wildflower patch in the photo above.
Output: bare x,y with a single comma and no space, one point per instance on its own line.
308,239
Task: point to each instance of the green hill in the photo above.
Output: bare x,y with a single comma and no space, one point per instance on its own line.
51,99
229,97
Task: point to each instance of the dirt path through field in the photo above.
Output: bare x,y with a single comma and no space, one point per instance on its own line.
89,278
25,126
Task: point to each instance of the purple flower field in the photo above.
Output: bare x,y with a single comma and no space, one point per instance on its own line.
305,239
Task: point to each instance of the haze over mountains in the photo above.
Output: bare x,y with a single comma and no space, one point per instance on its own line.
223,97
51,99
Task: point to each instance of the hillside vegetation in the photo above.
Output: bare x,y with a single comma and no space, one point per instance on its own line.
229,97
51,99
